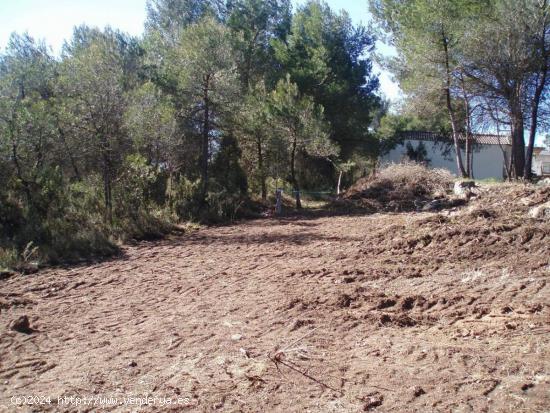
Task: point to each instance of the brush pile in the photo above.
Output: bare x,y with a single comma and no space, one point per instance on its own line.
402,187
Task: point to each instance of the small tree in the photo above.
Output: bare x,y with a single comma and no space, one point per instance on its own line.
94,79
150,119
255,138
207,79
256,24
330,59
427,35
27,132
299,123
342,168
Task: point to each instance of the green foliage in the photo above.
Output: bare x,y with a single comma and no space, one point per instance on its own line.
66,239
134,185
11,218
300,127
299,121
150,120
255,139
256,24
222,206
119,137
483,64
222,203
185,198
56,227
226,169
327,57
9,258
206,85
205,49
169,17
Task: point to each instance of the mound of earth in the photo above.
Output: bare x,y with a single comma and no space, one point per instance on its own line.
389,312
494,224
401,187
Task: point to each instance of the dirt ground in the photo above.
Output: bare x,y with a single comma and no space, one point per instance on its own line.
393,312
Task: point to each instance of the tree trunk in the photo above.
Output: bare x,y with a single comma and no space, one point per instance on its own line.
295,185
472,175
456,141
107,186
518,143
507,166
460,165
536,102
205,140
506,161
69,154
19,172
527,171
107,194
339,182
248,62
469,154
14,153
261,168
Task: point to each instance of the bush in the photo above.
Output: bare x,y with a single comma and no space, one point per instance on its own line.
11,219
146,224
184,198
131,193
9,257
73,239
226,171
136,214
58,223
222,206
65,221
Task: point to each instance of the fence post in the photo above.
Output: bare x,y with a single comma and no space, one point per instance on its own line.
278,201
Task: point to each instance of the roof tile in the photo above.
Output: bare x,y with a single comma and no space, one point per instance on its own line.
479,138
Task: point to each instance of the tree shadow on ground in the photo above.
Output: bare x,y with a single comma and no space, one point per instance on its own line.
289,238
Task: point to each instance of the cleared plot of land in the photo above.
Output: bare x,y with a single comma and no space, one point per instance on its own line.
387,312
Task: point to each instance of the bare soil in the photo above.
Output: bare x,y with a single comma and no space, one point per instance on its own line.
392,312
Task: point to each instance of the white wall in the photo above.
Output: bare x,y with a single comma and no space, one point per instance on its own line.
488,160
538,161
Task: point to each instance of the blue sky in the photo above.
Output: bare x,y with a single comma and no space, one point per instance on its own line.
53,20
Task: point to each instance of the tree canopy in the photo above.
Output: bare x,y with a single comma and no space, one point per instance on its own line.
217,104
485,62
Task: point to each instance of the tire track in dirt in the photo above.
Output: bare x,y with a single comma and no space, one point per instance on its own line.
212,315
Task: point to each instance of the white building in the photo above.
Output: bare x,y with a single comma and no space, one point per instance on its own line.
489,153
541,162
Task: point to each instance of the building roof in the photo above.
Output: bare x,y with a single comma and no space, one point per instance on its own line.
479,138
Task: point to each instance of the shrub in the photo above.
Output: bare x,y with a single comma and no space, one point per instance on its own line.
131,193
222,206
9,257
136,214
184,198
11,218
